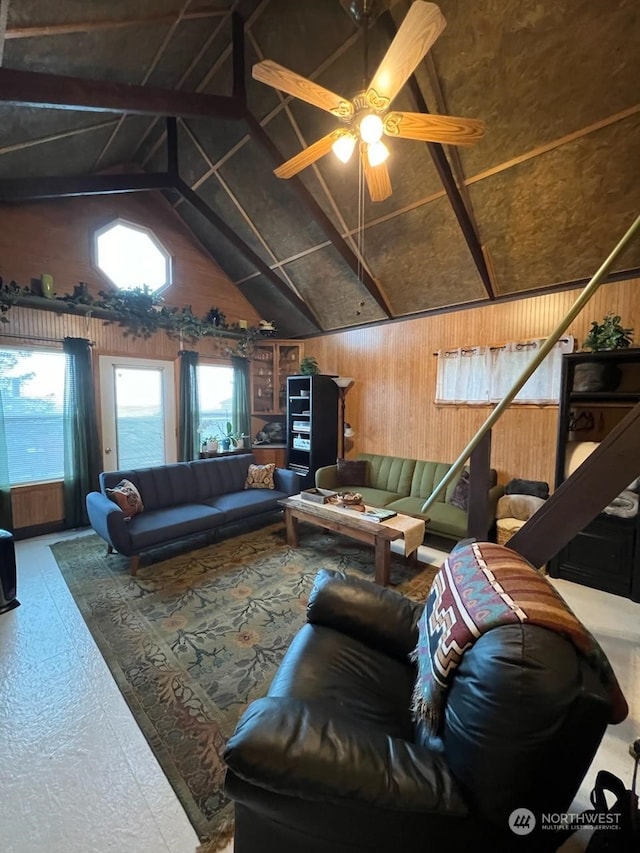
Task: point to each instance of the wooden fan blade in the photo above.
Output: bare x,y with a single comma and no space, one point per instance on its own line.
419,30
308,155
293,84
449,130
377,178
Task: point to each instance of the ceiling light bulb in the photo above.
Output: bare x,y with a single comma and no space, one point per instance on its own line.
343,147
377,153
371,128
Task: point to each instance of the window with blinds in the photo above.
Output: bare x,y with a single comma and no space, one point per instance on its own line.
32,388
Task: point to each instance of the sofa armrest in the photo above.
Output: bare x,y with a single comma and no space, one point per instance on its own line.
286,481
303,750
379,617
108,521
327,477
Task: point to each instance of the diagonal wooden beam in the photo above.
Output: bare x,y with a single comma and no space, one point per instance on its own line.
31,88
583,495
211,216
446,176
34,189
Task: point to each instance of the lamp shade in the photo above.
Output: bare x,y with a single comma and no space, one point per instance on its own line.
343,381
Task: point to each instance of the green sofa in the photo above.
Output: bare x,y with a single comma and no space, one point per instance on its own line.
405,484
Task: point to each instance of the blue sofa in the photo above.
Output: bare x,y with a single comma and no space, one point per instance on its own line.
181,500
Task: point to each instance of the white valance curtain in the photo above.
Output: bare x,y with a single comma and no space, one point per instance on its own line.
481,375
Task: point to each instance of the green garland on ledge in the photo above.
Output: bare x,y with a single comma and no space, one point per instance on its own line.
140,312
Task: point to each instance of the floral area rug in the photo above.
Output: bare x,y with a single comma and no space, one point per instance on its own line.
198,634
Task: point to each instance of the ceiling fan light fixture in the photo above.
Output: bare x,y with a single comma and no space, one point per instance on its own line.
343,147
371,128
377,153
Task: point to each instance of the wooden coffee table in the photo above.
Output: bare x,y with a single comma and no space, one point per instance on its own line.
378,535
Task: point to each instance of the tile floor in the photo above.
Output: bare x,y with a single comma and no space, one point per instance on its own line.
77,775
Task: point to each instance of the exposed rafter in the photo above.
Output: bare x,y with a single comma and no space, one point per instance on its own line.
36,189
31,88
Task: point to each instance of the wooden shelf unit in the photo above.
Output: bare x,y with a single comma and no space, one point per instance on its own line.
271,363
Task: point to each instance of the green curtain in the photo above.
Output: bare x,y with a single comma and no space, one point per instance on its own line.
241,404
188,407
82,456
6,521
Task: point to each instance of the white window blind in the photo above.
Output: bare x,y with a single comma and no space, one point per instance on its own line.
481,375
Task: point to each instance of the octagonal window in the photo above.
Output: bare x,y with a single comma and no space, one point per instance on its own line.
131,256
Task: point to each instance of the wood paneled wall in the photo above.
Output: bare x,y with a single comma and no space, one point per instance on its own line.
390,405
56,237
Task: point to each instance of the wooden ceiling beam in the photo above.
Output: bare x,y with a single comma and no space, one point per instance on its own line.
35,189
32,88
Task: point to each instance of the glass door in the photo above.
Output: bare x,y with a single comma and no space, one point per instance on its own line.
138,412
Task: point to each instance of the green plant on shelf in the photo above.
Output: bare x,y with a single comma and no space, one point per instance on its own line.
309,366
608,335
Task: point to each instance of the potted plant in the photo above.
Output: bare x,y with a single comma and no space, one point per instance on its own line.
228,436
602,375
309,366
608,335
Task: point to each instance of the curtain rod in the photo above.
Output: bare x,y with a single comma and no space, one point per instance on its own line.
37,338
496,346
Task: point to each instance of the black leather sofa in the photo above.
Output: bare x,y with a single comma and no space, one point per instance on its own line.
331,761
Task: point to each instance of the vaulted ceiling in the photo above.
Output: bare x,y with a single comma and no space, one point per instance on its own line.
537,203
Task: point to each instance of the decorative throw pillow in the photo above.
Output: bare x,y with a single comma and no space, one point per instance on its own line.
521,507
537,488
352,472
260,476
460,496
126,495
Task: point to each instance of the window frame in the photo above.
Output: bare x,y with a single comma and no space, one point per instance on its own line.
46,351
135,226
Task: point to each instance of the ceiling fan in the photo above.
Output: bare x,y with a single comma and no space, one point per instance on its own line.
366,117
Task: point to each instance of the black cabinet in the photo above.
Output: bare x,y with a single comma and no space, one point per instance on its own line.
312,425
598,390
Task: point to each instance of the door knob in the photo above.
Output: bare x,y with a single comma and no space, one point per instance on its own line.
107,450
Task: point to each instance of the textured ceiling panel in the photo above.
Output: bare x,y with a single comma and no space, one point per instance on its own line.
273,306
301,36
91,54
218,199
535,72
29,124
535,238
200,66
334,293
74,155
283,136
422,261
188,39
121,149
36,13
272,206
224,252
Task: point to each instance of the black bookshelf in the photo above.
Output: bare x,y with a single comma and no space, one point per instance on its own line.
312,425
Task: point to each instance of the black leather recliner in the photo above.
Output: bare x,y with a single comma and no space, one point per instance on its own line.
331,760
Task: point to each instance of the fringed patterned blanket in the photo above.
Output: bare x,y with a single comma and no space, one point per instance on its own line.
468,598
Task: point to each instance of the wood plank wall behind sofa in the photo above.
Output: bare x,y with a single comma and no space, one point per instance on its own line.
390,406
